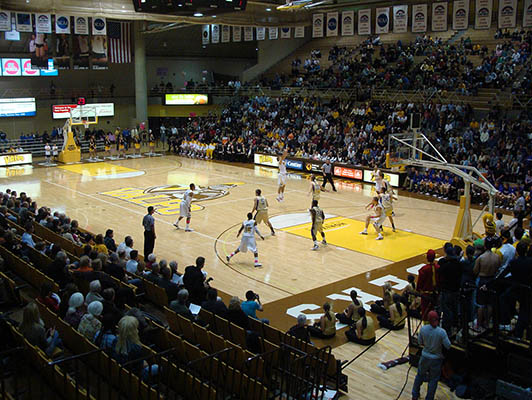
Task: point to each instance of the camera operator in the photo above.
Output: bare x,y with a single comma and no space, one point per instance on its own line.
252,305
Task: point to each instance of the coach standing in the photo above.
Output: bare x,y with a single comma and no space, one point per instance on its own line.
327,174
148,222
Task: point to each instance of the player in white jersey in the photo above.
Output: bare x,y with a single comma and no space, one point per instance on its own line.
379,179
386,199
315,188
377,218
318,216
249,227
55,152
281,178
261,206
47,152
184,208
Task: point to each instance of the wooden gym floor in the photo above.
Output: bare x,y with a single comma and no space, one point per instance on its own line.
293,278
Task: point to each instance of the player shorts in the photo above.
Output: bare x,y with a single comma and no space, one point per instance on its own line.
317,228
381,219
281,179
248,243
107,148
261,216
137,146
388,212
184,210
316,196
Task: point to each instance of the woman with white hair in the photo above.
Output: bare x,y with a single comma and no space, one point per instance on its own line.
90,323
95,288
76,310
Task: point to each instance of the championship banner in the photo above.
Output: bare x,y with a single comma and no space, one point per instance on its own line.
248,34
317,25
382,20
80,51
527,14
364,22
215,32
5,21
483,10
43,23
99,26
400,19
299,32
273,33
81,26
226,33
63,54
62,24
439,17
348,19
237,33
23,22
460,14
205,36
285,32
419,18
332,24
507,13
261,33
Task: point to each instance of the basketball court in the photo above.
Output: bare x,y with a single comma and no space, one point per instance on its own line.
293,279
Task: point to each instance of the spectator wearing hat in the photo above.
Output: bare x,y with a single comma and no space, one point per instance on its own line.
427,282
90,323
433,339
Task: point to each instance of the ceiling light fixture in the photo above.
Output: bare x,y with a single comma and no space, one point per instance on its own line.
214,16
268,9
198,14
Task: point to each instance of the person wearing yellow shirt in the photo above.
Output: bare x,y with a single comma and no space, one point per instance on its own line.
364,330
397,318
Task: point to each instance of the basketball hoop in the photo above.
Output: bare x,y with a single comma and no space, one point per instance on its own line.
85,124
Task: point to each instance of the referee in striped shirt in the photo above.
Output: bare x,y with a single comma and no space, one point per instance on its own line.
327,174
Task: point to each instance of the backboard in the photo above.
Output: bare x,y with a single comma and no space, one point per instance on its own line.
84,115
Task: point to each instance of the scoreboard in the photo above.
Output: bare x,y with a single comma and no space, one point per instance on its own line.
189,7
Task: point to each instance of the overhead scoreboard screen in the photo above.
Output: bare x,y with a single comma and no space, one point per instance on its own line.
188,99
189,7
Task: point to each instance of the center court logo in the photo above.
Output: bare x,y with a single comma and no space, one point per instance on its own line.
166,199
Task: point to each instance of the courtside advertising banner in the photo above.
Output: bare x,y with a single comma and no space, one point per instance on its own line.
43,23
317,25
215,33
294,164
419,18
237,33
81,26
285,32
483,10
392,178
62,111
460,14
507,13
527,14
226,33
439,17
364,22
5,21
299,32
62,24
332,24
261,33
350,173
382,20
400,19
348,23
205,34
266,159
186,99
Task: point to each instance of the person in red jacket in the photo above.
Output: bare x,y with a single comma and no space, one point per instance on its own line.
48,297
427,283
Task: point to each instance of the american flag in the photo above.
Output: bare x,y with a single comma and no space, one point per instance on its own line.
119,34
